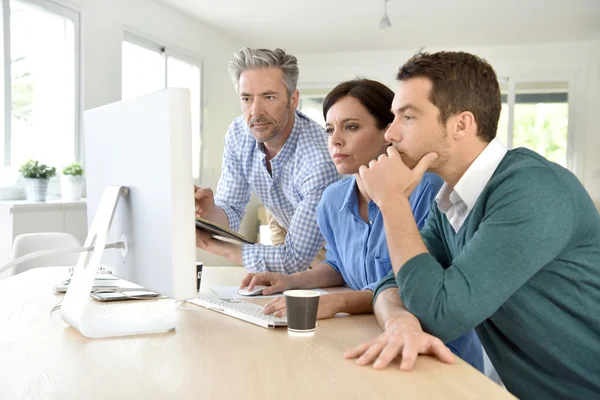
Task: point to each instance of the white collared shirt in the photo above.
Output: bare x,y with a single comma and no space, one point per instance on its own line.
458,202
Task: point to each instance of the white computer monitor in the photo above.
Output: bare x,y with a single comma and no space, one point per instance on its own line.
143,144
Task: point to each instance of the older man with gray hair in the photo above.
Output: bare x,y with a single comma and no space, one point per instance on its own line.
276,152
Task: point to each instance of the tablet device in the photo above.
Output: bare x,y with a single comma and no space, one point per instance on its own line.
219,231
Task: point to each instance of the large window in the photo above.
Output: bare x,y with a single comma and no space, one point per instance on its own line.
535,115
311,102
41,67
148,67
143,69
312,106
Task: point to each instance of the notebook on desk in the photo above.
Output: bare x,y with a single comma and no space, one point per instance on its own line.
102,283
220,232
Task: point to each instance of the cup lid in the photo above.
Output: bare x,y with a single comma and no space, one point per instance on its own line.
301,293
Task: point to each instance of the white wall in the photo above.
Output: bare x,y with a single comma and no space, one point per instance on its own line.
103,23
579,61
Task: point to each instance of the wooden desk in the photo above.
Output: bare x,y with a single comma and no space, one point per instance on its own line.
210,356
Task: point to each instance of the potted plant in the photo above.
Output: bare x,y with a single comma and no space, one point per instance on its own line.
36,178
71,182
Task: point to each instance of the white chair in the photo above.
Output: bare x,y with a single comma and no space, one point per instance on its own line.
32,242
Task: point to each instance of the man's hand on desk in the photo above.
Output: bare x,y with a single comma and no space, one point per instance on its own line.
276,282
403,337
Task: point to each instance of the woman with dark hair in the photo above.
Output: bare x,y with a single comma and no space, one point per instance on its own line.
357,114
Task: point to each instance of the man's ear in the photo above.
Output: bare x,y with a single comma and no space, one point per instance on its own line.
463,124
294,99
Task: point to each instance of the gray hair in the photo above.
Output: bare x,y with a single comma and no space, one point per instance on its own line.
249,58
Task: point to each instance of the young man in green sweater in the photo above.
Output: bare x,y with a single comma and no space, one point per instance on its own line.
511,246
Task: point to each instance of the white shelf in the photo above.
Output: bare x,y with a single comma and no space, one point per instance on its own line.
24,205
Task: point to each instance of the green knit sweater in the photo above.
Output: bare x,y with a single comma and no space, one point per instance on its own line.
524,271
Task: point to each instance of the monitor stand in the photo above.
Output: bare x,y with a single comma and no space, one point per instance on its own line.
157,317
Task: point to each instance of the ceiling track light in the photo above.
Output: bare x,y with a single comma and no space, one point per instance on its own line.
385,19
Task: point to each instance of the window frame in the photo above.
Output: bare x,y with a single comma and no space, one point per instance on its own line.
574,151
574,163
314,91
74,16
166,51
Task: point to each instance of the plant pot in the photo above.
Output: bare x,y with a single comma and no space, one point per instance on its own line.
70,187
36,189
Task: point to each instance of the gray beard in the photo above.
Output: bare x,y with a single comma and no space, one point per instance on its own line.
276,129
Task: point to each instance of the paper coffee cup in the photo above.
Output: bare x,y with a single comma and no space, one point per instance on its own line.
302,306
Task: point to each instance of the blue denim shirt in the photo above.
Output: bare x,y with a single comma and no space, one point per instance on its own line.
359,251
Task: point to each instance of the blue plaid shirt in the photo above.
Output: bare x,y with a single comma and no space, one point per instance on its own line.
300,173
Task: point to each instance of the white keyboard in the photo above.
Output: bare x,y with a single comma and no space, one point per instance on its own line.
239,309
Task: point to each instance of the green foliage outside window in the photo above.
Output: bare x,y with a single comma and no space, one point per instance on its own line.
22,91
543,128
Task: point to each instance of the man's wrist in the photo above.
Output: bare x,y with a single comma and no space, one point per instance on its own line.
393,205
214,246
404,319
224,249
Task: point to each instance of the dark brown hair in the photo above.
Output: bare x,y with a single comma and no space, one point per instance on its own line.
461,82
374,96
